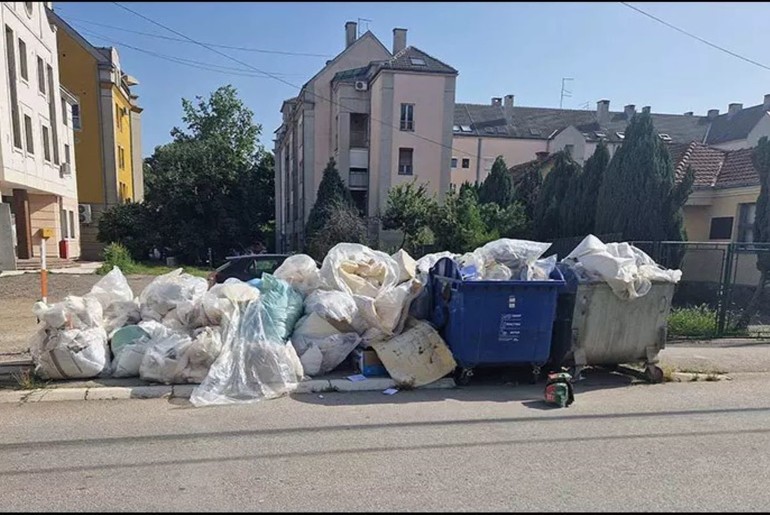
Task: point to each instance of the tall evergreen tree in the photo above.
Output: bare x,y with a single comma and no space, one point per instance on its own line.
332,192
553,204
498,186
586,190
528,187
639,198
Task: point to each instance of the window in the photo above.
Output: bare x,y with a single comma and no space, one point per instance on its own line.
67,153
28,134
454,162
417,61
466,162
121,158
64,226
41,75
407,117
359,125
721,228
23,60
746,222
620,135
64,112
405,156
46,144
28,7
465,128
570,149
72,223
358,178
664,137
455,128
76,117
118,118
11,60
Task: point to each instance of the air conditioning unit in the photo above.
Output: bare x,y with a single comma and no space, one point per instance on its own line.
84,213
361,85
65,169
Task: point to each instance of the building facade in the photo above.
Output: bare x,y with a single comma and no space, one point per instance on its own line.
385,117
108,147
38,177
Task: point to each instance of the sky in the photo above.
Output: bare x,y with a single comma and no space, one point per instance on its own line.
525,49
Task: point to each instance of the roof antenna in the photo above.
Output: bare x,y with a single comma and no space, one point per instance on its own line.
359,26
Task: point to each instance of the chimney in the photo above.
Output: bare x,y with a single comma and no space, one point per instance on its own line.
733,108
629,110
399,40
646,109
766,103
712,113
541,156
603,111
497,101
508,105
688,113
350,33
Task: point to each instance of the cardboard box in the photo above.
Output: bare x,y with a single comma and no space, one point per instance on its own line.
366,362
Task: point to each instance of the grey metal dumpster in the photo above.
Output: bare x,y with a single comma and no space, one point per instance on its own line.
607,330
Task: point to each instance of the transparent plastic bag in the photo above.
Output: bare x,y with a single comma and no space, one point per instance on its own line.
358,270
121,313
517,255
301,272
72,313
70,353
162,361
332,350
113,287
165,292
332,305
425,263
251,366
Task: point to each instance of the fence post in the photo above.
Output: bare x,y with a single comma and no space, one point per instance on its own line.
724,289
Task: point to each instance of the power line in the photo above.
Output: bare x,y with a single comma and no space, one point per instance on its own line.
168,38
179,60
204,45
696,37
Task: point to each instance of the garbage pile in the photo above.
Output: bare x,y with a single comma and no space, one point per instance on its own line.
246,341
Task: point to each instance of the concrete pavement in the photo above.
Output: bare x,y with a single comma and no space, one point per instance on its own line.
688,446
731,356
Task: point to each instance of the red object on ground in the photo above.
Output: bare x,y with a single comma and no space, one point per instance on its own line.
64,249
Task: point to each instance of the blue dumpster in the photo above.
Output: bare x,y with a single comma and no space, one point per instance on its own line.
488,323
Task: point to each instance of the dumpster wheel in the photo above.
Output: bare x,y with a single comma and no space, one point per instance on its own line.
463,376
653,374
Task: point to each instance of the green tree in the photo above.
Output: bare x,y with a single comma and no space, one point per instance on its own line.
552,209
331,192
132,225
498,186
409,210
458,225
586,190
528,187
211,186
509,222
760,157
639,198
343,223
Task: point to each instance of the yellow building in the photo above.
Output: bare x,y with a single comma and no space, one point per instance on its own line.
108,129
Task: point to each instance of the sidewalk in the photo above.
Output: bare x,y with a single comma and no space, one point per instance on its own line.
730,355
83,268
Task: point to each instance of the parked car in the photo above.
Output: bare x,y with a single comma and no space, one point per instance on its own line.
248,267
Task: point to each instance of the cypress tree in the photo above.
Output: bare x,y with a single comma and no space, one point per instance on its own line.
586,191
498,186
552,210
332,192
638,198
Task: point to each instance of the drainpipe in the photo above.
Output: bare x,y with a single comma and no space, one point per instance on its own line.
478,163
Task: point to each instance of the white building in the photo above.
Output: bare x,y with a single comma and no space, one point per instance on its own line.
37,169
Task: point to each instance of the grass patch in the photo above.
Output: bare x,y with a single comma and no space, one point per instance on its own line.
116,255
697,321
158,269
27,380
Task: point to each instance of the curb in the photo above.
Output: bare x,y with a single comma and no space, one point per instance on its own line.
183,391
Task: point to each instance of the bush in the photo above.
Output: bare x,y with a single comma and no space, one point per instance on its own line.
343,224
131,225
117,255
695,321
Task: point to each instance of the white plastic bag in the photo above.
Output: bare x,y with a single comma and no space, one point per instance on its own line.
301,272
516,255
218,304
201,354
407,266
70,353
165,292
358,270
425,263
128,360
497,272
162,361
333,306
72,313
113,287
250,367
314,326
121,313
322,355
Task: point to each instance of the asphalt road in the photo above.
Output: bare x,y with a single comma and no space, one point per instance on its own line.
687,446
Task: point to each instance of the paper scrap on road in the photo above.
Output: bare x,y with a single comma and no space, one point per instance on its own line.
390,391
356,378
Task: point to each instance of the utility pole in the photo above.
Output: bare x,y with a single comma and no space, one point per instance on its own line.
564,92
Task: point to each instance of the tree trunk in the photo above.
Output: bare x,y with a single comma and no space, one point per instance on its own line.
753,306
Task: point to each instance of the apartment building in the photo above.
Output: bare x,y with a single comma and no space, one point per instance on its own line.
38,177
384,116
108,148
